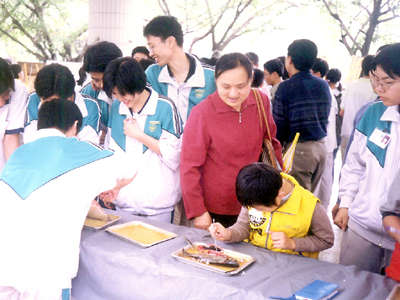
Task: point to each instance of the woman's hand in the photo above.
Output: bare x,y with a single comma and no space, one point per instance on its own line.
131,128
219,232
282,241
203,221
342,218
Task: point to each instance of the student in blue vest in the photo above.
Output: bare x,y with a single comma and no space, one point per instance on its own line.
176,74
95,61
370,168
147,127
46,189
56,81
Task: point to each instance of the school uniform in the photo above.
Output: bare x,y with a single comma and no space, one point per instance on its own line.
199,83
12,115
156,187
45,199
88,107
102,99
371,165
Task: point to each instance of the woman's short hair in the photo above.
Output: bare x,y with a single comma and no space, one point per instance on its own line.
126,75
389,60
231,61
60,114
333,75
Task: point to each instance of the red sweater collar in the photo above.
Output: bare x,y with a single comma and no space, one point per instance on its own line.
220,106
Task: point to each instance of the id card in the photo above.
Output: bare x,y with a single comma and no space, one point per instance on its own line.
380,138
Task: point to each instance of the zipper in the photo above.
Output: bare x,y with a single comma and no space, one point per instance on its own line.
240,117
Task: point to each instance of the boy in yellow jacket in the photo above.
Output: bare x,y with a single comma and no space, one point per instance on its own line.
277,214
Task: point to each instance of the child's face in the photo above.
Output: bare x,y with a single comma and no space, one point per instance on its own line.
386,87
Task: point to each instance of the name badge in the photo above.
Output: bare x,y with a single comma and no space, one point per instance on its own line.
380,138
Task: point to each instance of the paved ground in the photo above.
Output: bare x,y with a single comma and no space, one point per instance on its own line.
332,254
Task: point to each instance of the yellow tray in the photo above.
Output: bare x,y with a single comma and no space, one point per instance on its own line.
100,224
141,233
243,259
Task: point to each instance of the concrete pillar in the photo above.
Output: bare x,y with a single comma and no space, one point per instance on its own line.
116,21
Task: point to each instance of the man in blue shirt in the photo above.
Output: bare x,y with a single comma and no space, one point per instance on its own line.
302,104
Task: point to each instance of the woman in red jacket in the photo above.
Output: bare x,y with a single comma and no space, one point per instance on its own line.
222,135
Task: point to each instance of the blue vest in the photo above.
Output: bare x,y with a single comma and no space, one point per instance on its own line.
197,94
166,118
370,121
88,90
90,120
34,164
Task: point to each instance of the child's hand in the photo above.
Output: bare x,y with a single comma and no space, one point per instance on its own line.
131,128
282,241
219,232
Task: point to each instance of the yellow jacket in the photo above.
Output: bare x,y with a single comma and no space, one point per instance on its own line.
293,217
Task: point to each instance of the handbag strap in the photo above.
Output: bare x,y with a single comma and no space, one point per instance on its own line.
261,112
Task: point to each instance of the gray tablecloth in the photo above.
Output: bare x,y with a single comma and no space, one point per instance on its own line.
113,269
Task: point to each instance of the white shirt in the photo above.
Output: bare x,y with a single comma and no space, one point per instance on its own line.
41,234
156,188
331,142
354,97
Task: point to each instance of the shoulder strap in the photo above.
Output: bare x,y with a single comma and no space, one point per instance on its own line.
261,111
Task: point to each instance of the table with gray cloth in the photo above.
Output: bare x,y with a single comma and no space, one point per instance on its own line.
111,268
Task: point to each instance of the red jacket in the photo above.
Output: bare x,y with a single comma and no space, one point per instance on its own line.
217,142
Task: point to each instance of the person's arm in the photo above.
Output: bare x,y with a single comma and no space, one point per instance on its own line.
241,229
321,235
10,143
352,171
272,127
195,146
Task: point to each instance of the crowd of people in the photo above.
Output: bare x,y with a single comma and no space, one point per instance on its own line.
174,138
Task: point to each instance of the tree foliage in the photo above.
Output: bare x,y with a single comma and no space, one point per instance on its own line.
359,21
39,27
222,21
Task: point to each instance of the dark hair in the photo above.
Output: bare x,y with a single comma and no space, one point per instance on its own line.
126,75
303,54
97,57
258,78
6,76
15,69
274,65
367,65
60,114
164,27
253,57
258,184
231,61
389,60
285,72
145,63
140,49
320,65
54,79
209,61
333,75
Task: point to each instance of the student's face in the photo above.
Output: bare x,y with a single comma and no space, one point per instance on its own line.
160,50
97,80
386,87
233,87
127,99
268,77
5,96
139,56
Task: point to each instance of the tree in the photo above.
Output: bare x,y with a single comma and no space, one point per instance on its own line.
359,21
35,25
222,21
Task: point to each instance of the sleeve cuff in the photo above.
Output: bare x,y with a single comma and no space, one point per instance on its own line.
14,131
345,201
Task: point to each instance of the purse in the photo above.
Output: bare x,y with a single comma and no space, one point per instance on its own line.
268,153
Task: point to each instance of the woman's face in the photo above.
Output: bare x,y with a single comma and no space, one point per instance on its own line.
386,87
233,87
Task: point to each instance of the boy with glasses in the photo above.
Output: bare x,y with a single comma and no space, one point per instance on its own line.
371,165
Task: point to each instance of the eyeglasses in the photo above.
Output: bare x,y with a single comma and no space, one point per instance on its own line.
383,83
